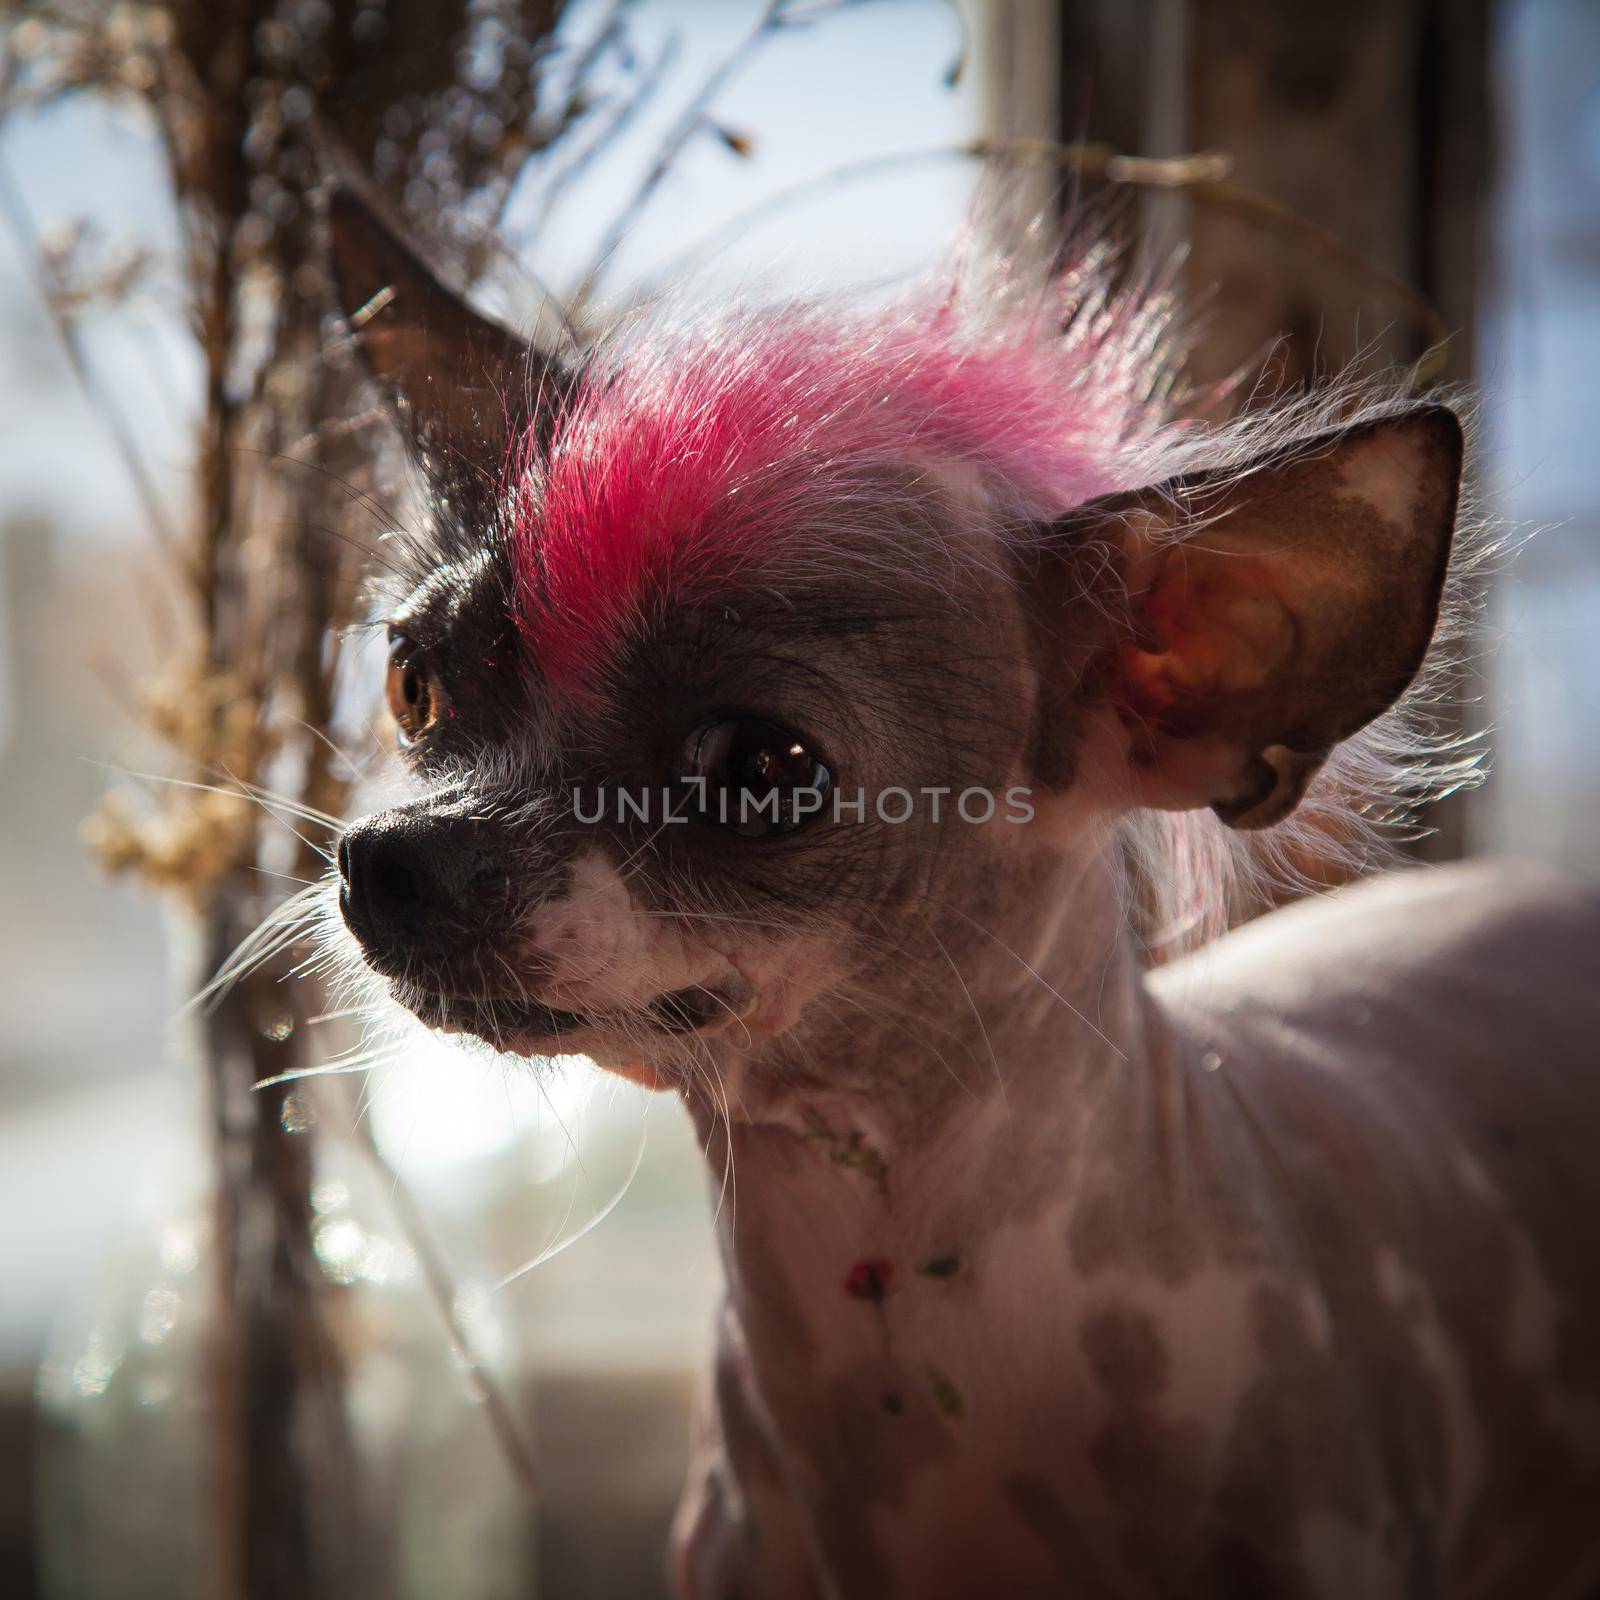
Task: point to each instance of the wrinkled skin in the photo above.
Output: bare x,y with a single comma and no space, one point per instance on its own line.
1266,1275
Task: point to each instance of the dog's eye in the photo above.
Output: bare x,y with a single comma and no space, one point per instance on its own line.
417,701
752,776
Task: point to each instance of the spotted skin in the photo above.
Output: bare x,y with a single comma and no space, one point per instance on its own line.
1310,1321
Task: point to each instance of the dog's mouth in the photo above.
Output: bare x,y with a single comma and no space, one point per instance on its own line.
524,1025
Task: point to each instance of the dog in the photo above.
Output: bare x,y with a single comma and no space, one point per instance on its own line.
846,716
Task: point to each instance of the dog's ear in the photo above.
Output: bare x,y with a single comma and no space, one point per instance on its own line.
463,387
1272,610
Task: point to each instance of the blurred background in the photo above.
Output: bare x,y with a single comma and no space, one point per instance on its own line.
1452,147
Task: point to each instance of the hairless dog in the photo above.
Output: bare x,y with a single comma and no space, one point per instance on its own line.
846,716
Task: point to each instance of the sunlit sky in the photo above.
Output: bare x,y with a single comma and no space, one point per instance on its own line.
864,82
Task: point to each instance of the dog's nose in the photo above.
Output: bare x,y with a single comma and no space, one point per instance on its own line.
383,877
401,876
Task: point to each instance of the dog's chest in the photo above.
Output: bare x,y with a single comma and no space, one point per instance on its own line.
1156,1363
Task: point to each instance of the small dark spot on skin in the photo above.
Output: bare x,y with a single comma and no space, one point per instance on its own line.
1125,1352
894,1405
941,1267
946,1396
1504,1135
869,1280
1110,1229
867,1459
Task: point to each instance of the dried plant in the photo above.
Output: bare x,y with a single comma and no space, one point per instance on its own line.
443,103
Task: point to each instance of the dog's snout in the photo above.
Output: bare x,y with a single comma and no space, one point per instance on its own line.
402,878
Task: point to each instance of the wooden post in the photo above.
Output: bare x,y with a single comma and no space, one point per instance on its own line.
1369,119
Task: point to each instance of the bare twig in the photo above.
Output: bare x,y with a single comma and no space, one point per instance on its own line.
1204,176
628,110
236,89
514,1444
690,122
20,222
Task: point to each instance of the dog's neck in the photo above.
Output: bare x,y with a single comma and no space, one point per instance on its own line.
896,1205
1021,1011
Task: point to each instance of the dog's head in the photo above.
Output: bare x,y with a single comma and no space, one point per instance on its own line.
736,661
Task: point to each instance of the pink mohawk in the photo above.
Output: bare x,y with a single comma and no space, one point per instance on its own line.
690,452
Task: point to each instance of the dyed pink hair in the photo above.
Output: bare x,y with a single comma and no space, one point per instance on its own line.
694,449
697,448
